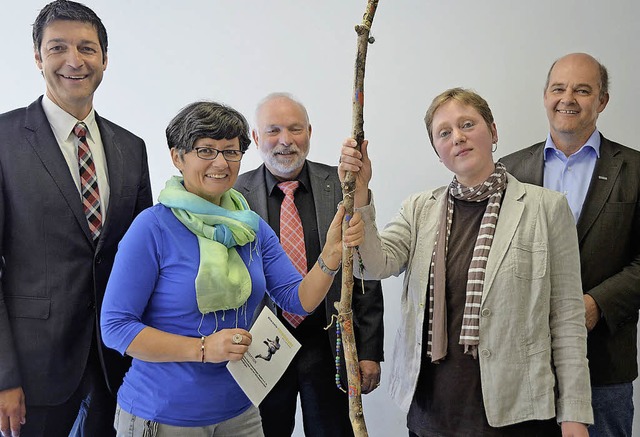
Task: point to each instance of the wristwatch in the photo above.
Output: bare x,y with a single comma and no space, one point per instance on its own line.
326,269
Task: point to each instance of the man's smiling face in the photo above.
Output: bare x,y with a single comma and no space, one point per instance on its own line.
71,61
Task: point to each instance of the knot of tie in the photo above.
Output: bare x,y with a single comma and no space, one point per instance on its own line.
80,130
288,187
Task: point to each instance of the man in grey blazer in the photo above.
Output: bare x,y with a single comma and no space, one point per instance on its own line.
54,266
282,136
601,180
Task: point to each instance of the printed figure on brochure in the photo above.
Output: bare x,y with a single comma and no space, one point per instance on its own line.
272,348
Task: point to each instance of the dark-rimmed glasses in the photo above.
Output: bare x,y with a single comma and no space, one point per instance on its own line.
209,154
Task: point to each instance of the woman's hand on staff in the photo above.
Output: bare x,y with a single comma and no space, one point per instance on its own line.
316,283
353,236
357,162
226,345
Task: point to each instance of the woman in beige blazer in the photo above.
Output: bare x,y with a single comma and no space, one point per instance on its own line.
492,339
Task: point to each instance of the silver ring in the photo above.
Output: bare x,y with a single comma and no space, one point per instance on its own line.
236,339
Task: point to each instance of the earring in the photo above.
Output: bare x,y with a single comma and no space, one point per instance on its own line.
494,147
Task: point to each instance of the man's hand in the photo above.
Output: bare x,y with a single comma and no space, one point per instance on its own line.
12,411
592,312
369,376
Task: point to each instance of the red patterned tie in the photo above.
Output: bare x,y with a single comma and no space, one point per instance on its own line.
292,238
88,182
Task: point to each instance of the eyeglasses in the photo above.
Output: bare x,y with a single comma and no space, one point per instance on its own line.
209,154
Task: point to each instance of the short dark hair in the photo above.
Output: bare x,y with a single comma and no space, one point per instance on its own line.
206,119
70,11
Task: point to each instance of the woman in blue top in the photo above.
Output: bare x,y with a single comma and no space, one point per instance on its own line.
187,279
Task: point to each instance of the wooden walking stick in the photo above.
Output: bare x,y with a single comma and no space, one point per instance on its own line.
345,315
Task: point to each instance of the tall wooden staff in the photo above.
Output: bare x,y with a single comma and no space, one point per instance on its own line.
345,315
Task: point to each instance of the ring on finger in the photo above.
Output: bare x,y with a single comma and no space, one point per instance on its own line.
236,339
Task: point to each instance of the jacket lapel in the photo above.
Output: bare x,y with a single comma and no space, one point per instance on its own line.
510,213
324,198
115,167
604,178
533,166
38,133
254,189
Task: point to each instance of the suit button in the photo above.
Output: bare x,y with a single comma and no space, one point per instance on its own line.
98,259
484,353
486,312
91,306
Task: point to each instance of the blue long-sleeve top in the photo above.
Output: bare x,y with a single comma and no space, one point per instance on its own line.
153,284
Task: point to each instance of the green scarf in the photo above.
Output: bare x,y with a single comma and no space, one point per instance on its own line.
223,281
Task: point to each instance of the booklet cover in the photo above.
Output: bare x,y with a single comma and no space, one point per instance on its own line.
272,349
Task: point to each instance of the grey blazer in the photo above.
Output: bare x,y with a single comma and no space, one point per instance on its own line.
532,350
53,276
609,239
367,306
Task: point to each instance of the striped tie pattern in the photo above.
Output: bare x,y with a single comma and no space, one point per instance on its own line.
292,238
88,182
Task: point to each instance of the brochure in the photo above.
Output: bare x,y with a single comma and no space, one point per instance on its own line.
272,349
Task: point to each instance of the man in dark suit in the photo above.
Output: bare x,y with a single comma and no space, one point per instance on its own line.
282,135
60,224
601,180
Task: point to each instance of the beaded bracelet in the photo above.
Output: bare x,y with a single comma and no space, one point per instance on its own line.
202,346
338,348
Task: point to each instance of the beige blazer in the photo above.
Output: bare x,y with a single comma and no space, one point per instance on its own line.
532,323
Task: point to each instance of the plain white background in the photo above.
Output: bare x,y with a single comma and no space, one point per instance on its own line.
164,54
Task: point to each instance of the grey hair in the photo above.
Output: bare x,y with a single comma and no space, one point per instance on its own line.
280,95
69,11
206,119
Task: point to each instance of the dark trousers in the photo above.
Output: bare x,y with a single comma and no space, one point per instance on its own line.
89,412
612,410
325,409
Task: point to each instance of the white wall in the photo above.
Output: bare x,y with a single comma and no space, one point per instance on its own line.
164,54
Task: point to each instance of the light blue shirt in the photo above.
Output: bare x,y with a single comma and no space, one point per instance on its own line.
571,175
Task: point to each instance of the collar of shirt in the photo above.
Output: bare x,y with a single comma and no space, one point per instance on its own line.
592,143
62,123
303,178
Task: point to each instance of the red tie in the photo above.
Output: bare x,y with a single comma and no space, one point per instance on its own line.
292,238
88,182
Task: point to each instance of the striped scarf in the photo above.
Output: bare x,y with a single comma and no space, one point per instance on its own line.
491,189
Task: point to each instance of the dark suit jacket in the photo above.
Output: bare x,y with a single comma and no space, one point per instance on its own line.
53,277
609,237
327,193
